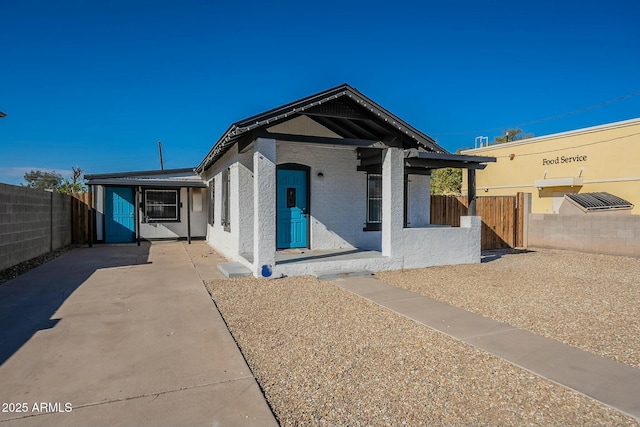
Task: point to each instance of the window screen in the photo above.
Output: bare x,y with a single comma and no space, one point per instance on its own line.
161,205
374,198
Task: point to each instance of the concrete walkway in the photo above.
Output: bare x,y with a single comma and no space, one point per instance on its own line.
611,383
124,335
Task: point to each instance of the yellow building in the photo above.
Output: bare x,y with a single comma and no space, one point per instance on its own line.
602,158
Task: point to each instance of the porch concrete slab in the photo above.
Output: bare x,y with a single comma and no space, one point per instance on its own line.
126,334
233,269
610,382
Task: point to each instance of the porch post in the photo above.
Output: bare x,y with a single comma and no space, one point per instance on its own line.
392,201
471,190
136,202
188,215
90,214
264,205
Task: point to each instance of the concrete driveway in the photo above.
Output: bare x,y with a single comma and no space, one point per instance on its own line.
122,335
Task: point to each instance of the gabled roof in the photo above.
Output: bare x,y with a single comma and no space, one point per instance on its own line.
343,110
154,178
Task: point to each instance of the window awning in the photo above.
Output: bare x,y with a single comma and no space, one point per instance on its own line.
558,182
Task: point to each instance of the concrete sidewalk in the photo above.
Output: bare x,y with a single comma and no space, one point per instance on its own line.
125,335
612,383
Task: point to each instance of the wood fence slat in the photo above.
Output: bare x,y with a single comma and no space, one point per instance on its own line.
79,218
501,219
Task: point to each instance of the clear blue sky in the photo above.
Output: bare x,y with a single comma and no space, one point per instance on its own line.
96,83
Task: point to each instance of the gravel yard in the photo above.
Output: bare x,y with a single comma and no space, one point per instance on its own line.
324,356
588,301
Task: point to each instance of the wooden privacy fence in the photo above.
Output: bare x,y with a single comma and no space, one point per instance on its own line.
79,218
502,217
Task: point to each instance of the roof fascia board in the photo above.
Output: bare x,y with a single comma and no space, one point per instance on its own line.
400,124
115,182
575,132
156,172
438,164
412,153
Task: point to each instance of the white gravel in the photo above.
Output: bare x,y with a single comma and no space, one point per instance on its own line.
324,356
585,300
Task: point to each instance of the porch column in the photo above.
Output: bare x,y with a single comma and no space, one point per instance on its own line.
264,205
392,201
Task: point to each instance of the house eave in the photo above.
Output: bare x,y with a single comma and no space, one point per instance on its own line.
294,109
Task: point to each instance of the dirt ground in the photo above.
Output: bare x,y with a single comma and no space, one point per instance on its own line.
324,356
585,300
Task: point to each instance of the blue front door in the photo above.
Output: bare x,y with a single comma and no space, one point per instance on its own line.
292,209
119,215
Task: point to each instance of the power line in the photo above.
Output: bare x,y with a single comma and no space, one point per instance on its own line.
546,119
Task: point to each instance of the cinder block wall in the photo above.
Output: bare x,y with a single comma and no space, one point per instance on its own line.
32,223
598,233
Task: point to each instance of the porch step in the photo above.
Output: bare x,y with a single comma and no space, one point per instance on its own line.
340,274
233,269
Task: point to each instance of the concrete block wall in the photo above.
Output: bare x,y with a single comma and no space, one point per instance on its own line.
32,223
597,233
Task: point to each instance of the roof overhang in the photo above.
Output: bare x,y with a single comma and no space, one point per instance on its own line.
421,162
168,178
427,160
343,110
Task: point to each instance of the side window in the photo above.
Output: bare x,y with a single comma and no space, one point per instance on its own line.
212,201
226,187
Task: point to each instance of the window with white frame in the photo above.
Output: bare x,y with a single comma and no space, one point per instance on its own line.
162,205
374,201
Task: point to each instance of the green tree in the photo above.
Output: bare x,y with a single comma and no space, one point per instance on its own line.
46,180
512,135
446,181
75,185
43,179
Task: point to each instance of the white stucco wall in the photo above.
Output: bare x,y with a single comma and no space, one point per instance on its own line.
225,242
419,201
338,204
98,196
442,245
171,230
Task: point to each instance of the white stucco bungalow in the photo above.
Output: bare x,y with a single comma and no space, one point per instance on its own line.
331,182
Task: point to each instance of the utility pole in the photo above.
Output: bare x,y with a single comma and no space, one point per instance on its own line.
160,150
